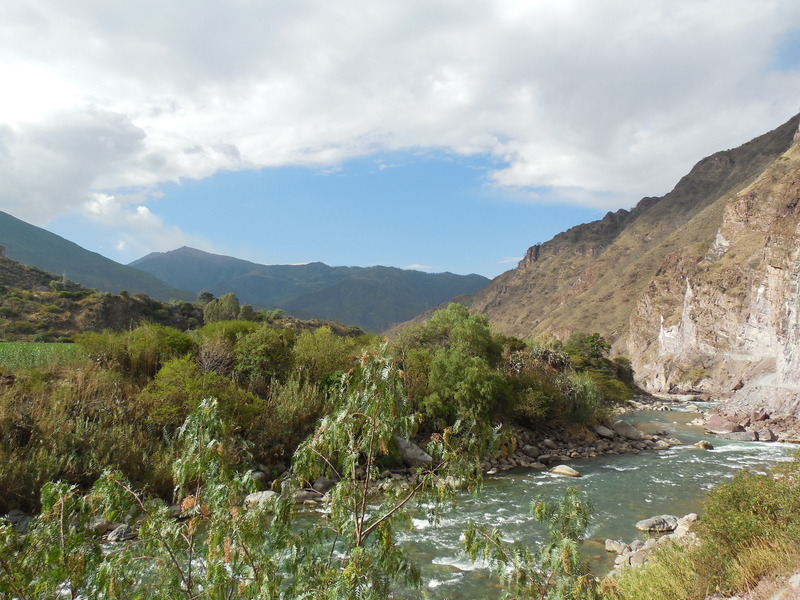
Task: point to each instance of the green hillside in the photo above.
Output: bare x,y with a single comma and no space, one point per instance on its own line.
373,298
34,246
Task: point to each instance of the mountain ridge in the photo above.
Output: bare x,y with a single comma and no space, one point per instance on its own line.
374,297
650,280
37,247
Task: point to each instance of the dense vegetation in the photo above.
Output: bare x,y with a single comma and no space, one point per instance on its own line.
116,400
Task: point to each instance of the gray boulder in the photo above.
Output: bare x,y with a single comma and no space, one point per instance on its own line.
627,430
324,484
740,436
531,451
259,498
718,424
704,445
604,432
658,524
412,455
121,534
565,471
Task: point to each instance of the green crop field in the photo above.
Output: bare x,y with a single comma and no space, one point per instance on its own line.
29,355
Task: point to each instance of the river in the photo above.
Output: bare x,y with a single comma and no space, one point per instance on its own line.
622,489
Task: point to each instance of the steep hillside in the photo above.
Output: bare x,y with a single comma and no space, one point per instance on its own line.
39,306
625,273
34,246
371,297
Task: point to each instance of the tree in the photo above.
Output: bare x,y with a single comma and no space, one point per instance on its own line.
321,352
554,571
224,308
361,559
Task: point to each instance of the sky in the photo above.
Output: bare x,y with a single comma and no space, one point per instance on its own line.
440,135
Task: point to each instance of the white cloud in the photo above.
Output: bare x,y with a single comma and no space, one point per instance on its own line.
509,259
418,267
606,100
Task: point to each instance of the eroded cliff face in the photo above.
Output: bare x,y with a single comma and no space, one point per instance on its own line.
700,288
725,319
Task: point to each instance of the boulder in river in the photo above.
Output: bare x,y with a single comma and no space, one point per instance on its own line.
740,436
658,524
412,455
718,424
565,470
259,498
704,445
627,430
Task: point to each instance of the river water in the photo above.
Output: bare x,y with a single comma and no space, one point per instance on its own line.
621,488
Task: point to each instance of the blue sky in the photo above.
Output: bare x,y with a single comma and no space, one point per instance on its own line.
444,136
422,210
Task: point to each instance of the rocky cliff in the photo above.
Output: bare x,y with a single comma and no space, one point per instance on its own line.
699,287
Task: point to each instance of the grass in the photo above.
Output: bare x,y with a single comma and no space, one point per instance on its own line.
39,355
749,537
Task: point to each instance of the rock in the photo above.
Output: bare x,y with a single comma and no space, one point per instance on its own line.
617,547
538,465
627,430
718,424
99,525
259,498
258,476
548,443
303,496
323,484
766,435
19,520
531,451
121,534
604,432
741,436
412,455
658,524
638,558
660,445
565,470
704,445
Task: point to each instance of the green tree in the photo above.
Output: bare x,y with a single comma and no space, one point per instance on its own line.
321,352
263,356
224,308
555,571
362,559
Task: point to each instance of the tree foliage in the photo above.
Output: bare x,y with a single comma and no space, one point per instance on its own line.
554,571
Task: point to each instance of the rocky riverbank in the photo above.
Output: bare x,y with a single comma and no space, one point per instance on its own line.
754,426
540,450
668,529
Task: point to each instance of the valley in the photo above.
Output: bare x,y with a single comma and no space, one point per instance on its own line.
245,420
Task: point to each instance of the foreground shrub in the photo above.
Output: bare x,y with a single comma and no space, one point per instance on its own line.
750,530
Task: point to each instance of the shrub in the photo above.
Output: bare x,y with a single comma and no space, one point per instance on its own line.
263,356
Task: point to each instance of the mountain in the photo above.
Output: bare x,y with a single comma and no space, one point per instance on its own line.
39,306
373,298
699,287
34,246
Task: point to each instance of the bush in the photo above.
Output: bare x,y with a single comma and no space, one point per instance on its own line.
263,356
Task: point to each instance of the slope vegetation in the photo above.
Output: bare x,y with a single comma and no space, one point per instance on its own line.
37,247
373,298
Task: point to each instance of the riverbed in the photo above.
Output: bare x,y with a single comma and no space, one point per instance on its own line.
621,488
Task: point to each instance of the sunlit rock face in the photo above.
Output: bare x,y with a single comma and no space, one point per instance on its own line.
700,288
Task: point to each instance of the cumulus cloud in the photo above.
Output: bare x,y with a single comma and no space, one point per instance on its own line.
601,101
137,229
